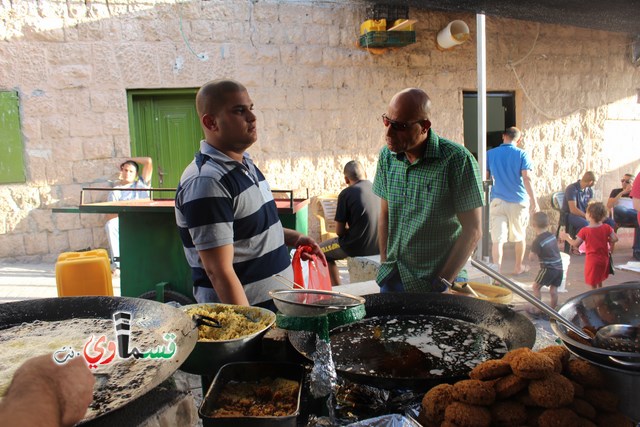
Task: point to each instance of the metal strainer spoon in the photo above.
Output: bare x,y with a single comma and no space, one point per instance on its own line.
619,338
611,337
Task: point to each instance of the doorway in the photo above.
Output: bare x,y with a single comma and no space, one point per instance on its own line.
501,114
164,125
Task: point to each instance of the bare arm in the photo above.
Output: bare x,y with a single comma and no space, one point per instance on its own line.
613,237
573,208
613,201
44,394
527,179
383,229
218,263
147,168
341,228
471,222
573,242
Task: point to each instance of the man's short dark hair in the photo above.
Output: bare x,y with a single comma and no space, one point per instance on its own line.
540,220
212,95
130,162
513,133
354,170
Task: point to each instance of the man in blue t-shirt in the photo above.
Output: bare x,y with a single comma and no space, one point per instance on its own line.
512,197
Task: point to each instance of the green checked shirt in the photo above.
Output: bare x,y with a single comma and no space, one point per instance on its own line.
423,200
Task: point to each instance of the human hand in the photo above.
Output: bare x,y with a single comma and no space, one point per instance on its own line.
534,207
44,390
315,249
75,382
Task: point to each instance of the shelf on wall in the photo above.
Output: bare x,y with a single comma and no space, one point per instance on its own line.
387,39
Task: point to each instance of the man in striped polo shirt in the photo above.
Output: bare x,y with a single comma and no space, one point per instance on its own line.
225,212
431,191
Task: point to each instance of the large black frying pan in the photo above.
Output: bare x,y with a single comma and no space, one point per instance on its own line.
512,328
151,321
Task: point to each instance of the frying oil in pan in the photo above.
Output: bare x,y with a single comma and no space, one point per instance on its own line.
415,346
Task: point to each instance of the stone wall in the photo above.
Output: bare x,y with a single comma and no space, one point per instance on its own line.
317,95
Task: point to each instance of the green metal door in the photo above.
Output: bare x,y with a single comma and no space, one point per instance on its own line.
11,149
165,127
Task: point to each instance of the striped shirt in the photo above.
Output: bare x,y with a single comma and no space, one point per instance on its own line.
423,200
545,246
220,201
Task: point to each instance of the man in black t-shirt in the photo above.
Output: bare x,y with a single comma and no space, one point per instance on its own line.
356,221
545,247
623,212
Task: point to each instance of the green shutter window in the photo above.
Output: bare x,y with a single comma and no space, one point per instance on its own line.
11,147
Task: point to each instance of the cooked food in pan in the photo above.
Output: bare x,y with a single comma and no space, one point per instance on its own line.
268,397
234,323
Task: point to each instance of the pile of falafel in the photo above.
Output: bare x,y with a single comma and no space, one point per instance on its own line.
542,388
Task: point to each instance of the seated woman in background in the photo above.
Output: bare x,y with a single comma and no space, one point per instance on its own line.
128,179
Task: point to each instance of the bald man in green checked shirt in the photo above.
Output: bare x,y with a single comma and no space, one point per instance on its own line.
431,208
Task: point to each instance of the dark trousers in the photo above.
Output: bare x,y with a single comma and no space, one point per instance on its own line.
627,217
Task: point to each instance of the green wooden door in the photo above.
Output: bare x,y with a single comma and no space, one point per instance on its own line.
11,149
165,127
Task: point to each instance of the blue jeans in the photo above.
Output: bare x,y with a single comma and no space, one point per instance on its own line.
578,222
625,216
391,283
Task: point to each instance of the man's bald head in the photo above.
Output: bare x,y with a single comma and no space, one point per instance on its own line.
212,95
415,99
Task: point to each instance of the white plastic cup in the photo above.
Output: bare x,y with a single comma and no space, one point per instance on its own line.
455,33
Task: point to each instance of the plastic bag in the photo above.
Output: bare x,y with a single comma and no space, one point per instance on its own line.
318,278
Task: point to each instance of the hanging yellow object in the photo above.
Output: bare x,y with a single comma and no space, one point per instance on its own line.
403,25
373,25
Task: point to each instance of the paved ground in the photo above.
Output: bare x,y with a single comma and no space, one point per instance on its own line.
19,281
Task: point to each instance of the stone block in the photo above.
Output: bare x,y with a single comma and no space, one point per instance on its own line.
36,168
67,149
73,100
11,245
100,237
86,124
31,129
362,269
61,54
66,222
70,194
114,123
100,147
80,239
58,242
38,104
70,76
99,29
34,244
57,126
43,220
321,78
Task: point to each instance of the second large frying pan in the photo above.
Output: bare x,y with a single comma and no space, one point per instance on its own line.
514,329
122,380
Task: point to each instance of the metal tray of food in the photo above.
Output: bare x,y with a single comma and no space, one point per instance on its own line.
262,384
